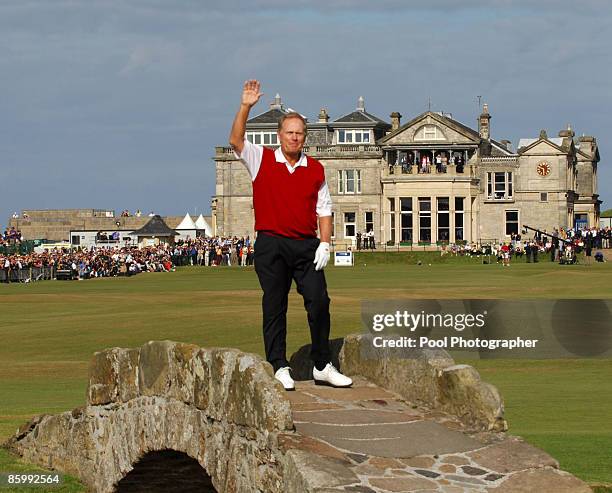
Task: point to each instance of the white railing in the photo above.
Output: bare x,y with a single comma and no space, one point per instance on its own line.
317,149
499,159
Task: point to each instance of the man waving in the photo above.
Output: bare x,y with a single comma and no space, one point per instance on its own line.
289,196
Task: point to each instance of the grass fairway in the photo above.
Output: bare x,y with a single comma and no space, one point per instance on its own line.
50,330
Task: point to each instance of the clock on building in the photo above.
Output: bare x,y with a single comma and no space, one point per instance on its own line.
543,168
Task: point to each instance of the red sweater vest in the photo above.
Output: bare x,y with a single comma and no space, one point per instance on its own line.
286,203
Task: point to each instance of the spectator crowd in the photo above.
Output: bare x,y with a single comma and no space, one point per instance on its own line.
110,261
212,252
105,261
561,245
10,237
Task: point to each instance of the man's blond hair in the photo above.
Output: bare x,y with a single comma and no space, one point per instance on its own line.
292,114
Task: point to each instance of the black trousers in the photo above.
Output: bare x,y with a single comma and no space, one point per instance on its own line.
279,261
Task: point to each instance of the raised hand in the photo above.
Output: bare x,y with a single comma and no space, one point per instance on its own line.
250,93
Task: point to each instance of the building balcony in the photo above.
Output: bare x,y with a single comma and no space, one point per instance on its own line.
419,172
319,151
343,150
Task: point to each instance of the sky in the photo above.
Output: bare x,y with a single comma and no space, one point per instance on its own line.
118,105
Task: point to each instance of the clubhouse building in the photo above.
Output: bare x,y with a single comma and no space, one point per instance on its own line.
427,181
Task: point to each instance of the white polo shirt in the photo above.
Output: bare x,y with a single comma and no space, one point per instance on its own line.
252,155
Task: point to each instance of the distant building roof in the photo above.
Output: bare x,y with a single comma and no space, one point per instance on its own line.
155,227
270,116
527,142
473,133
443,119
360,115
273,114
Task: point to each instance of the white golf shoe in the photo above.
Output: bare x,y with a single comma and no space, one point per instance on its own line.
331,377
282,375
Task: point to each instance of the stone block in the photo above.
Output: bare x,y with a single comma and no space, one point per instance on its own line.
511,455
411,374
202,378
477,403
255,398
102,387
542,480
305,471
113,376
127,373
287,441
165,369
240,388
403,484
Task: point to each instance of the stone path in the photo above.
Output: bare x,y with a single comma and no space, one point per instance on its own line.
366,439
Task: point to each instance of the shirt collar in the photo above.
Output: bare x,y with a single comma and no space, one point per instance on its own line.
280,158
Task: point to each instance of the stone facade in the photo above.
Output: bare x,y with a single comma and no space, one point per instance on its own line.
383,177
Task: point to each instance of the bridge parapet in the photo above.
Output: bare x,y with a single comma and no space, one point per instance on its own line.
406,424
225,383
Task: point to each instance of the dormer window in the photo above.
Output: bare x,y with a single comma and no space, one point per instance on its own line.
357,136
429,132
262,138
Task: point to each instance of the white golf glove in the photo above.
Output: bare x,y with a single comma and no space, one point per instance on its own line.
321,256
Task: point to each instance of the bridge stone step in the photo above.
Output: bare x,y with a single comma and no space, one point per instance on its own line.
367,439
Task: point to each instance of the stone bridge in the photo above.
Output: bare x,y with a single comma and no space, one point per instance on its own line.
176,417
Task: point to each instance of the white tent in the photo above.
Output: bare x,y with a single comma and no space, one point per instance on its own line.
186,223
202,225
186,228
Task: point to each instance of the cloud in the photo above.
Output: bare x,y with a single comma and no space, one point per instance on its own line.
91,87
158,56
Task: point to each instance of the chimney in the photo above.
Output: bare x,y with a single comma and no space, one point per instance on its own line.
484,128
276,103
507,144
323,116
395,120
567,133
360,104
543,134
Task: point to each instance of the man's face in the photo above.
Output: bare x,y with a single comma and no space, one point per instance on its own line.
292,136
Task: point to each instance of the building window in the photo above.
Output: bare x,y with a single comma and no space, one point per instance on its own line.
349,225
333,231
443,219
512,222
263,138
369,221
406,214
359,136
425,219
349,181
499,185
543,196
429,132
459,218
392,220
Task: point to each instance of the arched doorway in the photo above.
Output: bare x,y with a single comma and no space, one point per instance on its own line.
166,471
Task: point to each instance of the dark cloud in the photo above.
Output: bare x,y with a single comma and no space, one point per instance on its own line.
124,101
